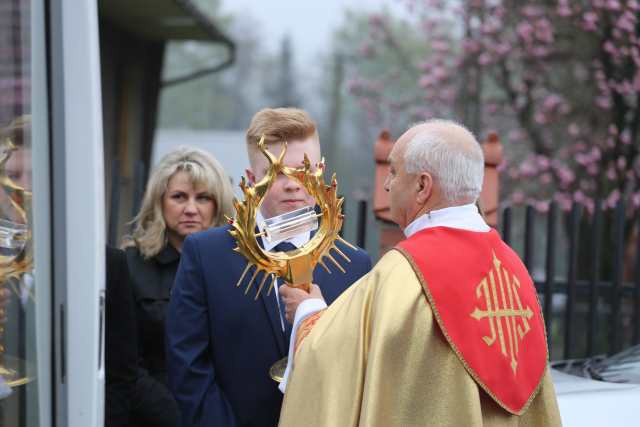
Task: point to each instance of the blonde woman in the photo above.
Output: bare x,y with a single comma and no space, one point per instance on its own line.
187,192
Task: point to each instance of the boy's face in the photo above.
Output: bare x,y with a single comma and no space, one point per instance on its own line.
285,194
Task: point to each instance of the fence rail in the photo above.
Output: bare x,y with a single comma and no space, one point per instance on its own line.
590,287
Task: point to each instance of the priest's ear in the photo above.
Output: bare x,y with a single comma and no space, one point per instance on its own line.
424,187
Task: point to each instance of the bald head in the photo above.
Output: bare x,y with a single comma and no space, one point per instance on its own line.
451,154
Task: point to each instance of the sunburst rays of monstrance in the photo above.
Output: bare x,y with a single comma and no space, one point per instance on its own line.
294,267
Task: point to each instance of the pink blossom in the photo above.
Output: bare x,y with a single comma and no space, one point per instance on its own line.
490,28
484,58
617,33
565,175
551,102
540,51
564,201
502,48
545,179
376,20
525,30
610,48
471,46
541,205
613,198
517,197
516,135
527,169
613,5
563,153
621,163
580,146
426,81
440,45
531,11
573,129
448,94
603,102
366,50
582,159
625,137
540,118
543,162
590,21
439,72
563,9
579,196
502,167
611,174
544,31
590,205
635,200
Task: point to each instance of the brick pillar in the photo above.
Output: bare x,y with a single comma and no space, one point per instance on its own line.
489,197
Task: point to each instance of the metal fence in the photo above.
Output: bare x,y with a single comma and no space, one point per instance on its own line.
591,308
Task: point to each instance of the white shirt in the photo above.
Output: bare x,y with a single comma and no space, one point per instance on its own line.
298,241
465,217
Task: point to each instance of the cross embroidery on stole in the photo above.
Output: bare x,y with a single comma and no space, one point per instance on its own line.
501,311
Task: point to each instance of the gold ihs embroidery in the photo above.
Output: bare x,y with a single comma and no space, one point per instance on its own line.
502,312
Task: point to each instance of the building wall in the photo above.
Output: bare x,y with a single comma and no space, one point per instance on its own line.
131,73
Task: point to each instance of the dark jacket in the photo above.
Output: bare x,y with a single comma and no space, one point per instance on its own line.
151,281
221,342
121,349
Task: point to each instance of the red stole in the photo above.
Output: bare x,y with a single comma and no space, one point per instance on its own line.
487,308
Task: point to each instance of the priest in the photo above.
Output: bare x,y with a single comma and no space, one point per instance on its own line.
446,330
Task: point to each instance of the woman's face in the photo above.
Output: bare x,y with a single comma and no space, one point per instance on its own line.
186,209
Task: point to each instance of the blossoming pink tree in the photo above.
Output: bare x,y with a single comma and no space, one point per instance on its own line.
559,80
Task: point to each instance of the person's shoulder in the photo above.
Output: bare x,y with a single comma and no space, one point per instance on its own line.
212,237
393,260
133,256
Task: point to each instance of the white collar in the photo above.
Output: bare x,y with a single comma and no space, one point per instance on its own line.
298,240
465,217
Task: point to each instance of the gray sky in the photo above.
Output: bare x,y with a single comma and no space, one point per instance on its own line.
310,23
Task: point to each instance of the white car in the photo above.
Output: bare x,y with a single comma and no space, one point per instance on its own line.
599,391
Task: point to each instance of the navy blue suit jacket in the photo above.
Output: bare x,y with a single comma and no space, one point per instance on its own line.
221,342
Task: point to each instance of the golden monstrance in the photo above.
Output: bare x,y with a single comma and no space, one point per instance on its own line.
16,256
294,267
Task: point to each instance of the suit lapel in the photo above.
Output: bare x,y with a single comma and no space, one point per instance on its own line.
271,307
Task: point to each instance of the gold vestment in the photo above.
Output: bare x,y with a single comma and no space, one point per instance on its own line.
377,357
